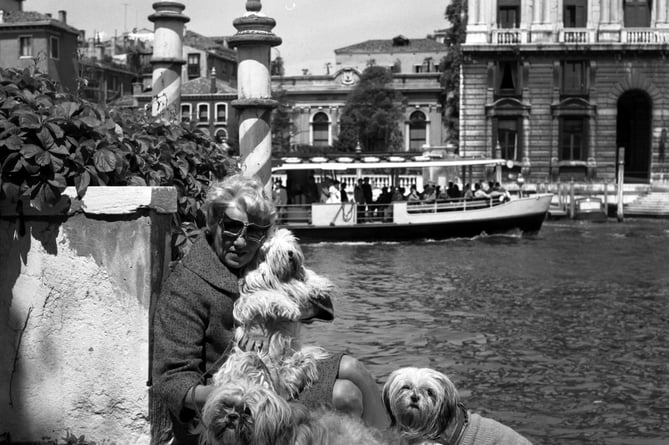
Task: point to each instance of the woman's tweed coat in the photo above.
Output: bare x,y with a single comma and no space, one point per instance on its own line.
192,328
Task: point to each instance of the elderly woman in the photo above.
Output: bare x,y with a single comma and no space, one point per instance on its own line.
193,325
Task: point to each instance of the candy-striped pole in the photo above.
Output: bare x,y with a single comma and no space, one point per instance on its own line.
254,40
167,58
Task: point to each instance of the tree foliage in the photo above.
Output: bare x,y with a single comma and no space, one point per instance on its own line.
50,140
372,114
282,126
456,13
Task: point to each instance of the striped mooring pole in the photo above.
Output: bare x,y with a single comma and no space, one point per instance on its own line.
167,58
254,40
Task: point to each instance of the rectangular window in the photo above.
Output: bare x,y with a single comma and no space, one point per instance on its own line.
185,112
637,13
575,13
574,77
221,112
203,113
507,78
193,65
507,136
54,47
572,139
25,46
508,14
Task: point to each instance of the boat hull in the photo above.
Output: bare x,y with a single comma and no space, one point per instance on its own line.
495,220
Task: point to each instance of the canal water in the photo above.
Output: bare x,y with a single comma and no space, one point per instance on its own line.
564,335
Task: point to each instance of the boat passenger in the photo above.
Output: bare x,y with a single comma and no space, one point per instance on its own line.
359,198
334,196
342,193
467,192
479,193
413,194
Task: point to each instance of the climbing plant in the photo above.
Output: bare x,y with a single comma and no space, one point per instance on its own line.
50,139
456,13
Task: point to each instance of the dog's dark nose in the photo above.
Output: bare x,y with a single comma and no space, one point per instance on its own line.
414,398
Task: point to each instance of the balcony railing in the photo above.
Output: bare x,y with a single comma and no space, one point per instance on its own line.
644,35
575,35
509,36
636,36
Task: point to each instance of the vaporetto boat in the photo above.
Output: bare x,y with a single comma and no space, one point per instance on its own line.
408,220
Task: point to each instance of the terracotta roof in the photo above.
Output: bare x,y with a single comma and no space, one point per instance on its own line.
202,85
392,46
13,18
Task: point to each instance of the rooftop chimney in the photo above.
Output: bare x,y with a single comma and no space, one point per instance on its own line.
62,16
212,88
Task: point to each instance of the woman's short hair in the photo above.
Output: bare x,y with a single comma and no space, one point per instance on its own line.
247,192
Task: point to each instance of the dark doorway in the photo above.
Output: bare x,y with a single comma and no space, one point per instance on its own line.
633,129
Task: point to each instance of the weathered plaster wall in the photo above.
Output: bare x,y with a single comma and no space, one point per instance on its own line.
75,294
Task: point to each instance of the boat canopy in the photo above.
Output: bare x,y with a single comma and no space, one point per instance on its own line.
294,164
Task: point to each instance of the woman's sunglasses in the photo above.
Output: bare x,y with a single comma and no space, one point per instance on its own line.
251,232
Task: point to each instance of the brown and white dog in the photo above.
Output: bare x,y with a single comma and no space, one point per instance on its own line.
425,407
247,414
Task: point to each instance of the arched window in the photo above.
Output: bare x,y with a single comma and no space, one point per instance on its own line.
417,130
221,135
320,126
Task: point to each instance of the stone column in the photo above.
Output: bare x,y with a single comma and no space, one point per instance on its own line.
537,15
477,26
525,157
254,40
167,58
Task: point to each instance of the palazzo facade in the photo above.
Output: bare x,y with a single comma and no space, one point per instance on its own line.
558,87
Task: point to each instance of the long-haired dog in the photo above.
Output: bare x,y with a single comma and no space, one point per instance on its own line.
277,293
425,407
248,414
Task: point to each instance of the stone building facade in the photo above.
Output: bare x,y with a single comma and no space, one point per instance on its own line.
317,101
556,87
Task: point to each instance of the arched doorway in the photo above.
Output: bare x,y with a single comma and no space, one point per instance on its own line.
633,129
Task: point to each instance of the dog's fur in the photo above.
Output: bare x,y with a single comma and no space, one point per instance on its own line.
424,405
275,294
248,414
254,384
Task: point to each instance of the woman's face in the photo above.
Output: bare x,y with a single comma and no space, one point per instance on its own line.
236,238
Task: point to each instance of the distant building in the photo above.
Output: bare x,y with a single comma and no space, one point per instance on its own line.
316,104
204,54
559,86
317,101
205,101
32,39
399,54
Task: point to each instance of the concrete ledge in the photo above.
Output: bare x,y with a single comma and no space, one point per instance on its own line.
102,200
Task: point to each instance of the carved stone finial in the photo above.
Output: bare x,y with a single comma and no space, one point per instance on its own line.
253,5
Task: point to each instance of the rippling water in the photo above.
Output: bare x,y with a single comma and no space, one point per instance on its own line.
564,336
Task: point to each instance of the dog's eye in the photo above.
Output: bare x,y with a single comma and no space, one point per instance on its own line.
405,388
430,393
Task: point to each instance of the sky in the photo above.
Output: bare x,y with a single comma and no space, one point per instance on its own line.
311,29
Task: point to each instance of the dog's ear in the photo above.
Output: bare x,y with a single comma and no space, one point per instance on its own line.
449,397
387,399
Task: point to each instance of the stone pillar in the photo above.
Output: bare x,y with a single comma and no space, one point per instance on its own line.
254,40
610,23
537,15
591,162
167,58
477,26
525,169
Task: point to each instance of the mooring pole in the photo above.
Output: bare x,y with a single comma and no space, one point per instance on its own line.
167,58
254,40
498,167
621,183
